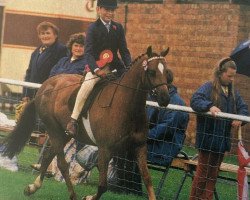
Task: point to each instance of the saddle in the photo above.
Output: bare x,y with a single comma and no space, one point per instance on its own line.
93,95
97,92
105,58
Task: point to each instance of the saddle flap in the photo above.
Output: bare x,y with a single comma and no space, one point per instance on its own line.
103,92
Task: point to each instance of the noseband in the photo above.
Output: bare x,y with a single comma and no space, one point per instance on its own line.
147,72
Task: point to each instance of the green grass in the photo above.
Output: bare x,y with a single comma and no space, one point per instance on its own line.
13,183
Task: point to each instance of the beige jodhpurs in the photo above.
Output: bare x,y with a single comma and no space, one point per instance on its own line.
83,93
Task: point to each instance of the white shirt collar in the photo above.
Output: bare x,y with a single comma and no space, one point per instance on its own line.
72,59
105,22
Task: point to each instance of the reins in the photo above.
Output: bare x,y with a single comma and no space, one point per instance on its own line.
151,86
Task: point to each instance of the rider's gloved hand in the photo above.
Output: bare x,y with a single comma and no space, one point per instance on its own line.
101,73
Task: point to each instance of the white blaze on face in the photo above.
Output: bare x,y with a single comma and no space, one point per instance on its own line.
161,67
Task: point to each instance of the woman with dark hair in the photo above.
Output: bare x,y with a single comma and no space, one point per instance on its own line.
72,64
44,57
75,62
213,136
166,127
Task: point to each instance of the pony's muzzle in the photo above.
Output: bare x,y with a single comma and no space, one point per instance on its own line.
163,98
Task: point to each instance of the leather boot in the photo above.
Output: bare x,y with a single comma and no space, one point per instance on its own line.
71,129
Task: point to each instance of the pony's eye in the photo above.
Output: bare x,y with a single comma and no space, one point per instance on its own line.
152,73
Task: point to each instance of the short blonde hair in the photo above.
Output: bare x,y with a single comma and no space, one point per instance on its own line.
43,26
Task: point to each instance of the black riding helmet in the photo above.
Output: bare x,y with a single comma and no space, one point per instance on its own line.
109,4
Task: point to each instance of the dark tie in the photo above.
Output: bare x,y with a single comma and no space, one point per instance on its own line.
107,26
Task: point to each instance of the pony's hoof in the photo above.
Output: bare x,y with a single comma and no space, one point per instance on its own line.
26,191
73,197
87,198
30,189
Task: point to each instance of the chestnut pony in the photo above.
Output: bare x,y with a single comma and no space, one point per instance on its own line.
115,121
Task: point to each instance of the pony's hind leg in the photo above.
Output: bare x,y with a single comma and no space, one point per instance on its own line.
48,156
141,155
64,168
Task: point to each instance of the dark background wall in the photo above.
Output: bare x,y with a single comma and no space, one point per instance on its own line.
198,36
17,24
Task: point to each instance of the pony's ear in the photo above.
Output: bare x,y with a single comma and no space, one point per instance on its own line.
164,53
149,51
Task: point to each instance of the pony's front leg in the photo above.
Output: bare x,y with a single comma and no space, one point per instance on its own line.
141,155
32,188
103,161
64,168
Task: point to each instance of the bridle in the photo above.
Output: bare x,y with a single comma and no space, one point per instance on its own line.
147,72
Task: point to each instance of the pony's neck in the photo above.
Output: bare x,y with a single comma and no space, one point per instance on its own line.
133,77
133,80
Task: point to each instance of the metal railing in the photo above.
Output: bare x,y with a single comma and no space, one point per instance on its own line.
150,103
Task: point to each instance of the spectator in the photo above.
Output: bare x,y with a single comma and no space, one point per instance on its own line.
75,62
103,34
41,62
72,64
77,173
166,128
213,137
44,57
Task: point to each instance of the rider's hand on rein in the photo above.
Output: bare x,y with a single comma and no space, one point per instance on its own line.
101,73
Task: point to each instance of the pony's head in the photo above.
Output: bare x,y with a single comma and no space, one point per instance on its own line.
155,78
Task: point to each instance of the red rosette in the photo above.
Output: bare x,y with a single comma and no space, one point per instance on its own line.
106,57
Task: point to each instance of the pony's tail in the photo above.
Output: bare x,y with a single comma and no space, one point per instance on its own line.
15,142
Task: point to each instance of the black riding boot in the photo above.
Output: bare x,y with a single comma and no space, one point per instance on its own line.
71,129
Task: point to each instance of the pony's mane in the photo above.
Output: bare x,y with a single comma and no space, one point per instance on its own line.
136,59
142,55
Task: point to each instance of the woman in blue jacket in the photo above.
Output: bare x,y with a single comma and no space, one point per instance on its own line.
74,63
44,57
166,129
213,136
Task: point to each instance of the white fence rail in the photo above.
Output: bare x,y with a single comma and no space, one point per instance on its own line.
150,103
